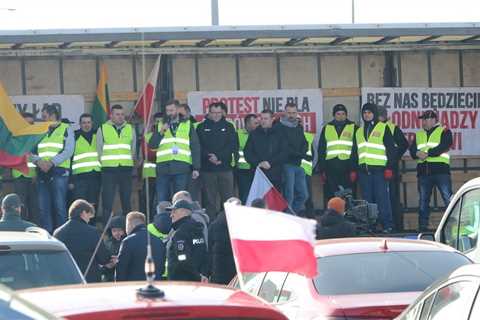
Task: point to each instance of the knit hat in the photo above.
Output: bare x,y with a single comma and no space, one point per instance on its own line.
337,204
118,221
339,107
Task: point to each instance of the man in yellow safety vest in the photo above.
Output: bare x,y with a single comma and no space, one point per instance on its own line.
116,147
53,158
375,149
430,149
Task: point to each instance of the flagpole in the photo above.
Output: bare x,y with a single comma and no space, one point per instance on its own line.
271,185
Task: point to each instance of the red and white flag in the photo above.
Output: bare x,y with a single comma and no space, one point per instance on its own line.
144,105
264,189
264,241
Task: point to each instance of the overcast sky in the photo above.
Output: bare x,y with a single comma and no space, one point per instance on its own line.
46,14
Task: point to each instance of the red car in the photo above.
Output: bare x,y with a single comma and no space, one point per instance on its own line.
120,301
358,278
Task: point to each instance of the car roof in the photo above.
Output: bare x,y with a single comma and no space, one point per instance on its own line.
344,246
466,270
34,240
81,299
471,183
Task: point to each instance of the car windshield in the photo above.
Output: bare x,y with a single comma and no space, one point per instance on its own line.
384,272
31,269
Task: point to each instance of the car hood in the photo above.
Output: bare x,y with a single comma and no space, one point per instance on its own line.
372,306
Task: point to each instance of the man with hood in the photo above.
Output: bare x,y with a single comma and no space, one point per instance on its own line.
295,184
116,233
187,250
376,152
336,162
333,223
401,145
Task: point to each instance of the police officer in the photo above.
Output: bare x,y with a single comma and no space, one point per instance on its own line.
186,250
376,151
53,160
336,162
25,186
244,172
430,149
401,145
116,147
86,165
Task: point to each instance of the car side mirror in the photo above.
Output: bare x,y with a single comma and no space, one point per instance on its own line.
426,236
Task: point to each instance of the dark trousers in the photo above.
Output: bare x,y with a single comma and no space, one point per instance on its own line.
335,179
443,183
375,190
244,182
194,187
397,211
111,181
151,195
218,188
169,184
52,201
309,208
87,187
27,191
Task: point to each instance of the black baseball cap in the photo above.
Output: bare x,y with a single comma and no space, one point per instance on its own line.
180,204
429,114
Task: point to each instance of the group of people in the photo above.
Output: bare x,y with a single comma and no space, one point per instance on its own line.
212,159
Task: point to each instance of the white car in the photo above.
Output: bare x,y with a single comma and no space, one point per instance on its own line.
460,224
35,259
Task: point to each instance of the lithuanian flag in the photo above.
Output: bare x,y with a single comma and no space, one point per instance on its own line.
101,105
17,136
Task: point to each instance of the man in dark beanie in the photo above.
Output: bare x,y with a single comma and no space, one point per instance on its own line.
375,148
335,161
11,214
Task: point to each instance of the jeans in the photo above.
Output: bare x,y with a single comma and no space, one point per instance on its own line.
87,187
168,184
295,187
111,179
375,190
52,199
425,187
244,182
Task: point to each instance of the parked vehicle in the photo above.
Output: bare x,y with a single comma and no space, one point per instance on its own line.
358,278
460,224
455,297
181,300
35,259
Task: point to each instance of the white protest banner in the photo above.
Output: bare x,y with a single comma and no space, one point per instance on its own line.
457,109
70,106
241,103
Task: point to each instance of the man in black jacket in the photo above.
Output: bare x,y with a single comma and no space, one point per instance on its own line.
430,149
295,185
266,149
336,161
220,251
81,239
401,145
376,152
187,249
11,214
333,223
133,251
219,142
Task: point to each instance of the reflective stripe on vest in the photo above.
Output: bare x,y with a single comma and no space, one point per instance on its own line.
149,168
85,157
307,165
176,148
117,149
424,144
31,172
339,147
53,144
372,152
242,141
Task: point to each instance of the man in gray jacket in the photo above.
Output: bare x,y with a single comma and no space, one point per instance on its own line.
178,153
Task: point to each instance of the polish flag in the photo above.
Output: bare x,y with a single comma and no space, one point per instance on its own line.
263,188
263,241
144,105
